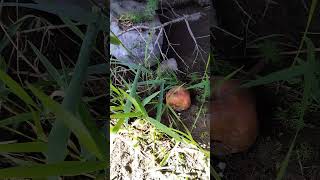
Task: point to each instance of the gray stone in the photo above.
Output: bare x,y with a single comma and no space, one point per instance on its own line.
141,42
168,66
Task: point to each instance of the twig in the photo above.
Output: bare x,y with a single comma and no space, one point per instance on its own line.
227,32
52,27
19,53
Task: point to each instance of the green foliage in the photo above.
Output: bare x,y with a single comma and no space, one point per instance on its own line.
309,70
72,116
67,168
147,15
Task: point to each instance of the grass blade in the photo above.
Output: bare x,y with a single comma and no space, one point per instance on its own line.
214,173
53,72
77,31
16,89
164,129
309,80
72,122
66,168
59,135
128,104
23,147
114,40
281,75
16,119
149,98
285,162
126,115
310,16
11,32
67,10
160,102
71,25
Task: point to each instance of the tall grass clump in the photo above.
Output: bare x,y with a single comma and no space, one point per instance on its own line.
74,145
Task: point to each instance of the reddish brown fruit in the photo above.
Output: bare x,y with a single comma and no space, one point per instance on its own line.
233,117
178,98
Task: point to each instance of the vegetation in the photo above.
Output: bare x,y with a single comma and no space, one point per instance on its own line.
50,136
146,15
50,105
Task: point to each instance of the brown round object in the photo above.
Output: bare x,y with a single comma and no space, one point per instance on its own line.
178,98
234,126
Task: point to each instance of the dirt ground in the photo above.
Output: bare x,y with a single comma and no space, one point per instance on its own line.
134,156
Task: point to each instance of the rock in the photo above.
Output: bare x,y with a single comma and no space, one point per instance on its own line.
234,125
169,65
222,165
175,3
141,41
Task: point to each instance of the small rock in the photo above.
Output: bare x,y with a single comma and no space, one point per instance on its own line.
222,165
168,65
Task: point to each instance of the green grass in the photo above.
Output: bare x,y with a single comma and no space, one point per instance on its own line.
52,153
132,98
146,15
28,102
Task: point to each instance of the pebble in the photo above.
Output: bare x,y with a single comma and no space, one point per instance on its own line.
222,165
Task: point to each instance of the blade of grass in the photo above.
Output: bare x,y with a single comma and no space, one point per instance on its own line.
97,134
126,115
66,168
114,40
67,10
282,75
308,81
136,102
77,31
23,147
18,161
164,129
71,25
160,104
310,16
16,119
17,89
53,72
39,130
78,127
149,98
59,135
214,173
128,104
23,95
3,67
11,32
285,162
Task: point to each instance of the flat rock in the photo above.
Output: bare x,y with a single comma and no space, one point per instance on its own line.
142,43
